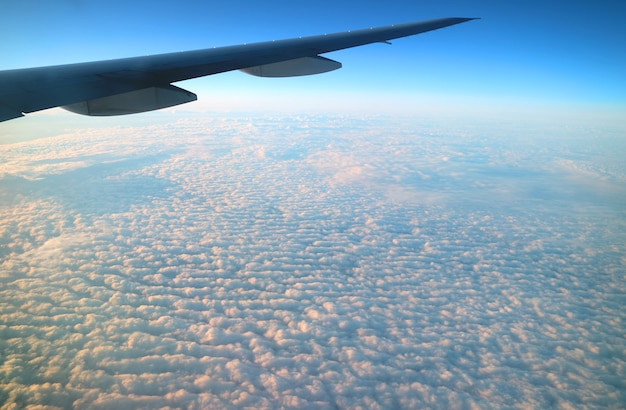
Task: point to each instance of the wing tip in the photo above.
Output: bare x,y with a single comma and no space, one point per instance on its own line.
464,19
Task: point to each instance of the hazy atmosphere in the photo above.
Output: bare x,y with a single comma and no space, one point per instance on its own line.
439,224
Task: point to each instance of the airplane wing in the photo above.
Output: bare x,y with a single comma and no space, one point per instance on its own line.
132,85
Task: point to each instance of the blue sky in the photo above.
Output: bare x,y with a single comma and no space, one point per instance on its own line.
521,58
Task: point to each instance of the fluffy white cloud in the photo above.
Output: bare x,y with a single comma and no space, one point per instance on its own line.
309,263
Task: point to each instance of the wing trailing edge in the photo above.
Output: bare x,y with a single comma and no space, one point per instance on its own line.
8,113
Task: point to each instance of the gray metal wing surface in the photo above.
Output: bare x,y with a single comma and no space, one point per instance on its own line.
137,84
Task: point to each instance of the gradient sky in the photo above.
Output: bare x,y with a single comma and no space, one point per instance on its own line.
521,58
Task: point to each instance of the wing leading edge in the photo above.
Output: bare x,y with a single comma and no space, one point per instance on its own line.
137,84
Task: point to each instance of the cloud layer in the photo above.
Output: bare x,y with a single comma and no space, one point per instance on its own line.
311,263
